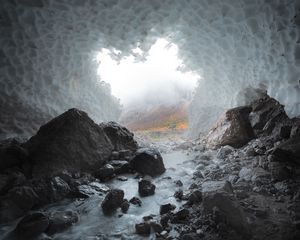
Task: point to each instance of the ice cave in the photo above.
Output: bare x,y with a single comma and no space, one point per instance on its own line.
150,119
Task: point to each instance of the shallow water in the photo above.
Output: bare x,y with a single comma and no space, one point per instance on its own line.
93,225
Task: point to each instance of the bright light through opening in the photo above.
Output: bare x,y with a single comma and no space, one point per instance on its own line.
158,79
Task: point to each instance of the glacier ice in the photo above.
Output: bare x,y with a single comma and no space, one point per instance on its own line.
48,51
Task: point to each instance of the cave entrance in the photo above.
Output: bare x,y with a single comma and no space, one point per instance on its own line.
155,92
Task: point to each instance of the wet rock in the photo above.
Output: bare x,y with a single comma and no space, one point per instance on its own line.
59,221
135,201
12,154
164,220
125,206
106,172
217,186
181,216
195,197
143,228
148,161
60,189
120,166
233,128
112,201
32,225
71,141
179,195
260,175
166,208
229,208
121,137
179,183
122,178
146,188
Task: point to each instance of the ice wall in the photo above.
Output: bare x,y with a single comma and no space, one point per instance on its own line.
48,49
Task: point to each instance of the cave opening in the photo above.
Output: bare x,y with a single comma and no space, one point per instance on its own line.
155,88
80,79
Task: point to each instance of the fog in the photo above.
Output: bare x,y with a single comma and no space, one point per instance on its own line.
157,79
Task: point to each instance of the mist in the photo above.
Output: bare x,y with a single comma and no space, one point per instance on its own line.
158,80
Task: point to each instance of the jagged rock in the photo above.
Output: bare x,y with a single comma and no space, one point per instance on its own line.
125,206
32,225
136,201
148,161
120,166
195,197
146,188
279,171
12,154
59,221
71,141
143,228
180,216
217,186
266,113
59,188
121,137
166,208
112,201
230,208
106,172
233,128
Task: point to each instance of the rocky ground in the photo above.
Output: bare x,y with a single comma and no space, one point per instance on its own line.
245,183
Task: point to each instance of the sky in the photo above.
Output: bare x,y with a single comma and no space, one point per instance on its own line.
153,81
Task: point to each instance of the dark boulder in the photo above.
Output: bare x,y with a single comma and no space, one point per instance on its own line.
125,206
59,221
120,166
136,201
143,228
120,137
148,161
229,208
71,141
233,128
146,188
266,114
12,154
195,197
33,224
112,201
166,208
106,172
181,216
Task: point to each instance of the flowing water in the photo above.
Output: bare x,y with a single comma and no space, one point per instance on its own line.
93,225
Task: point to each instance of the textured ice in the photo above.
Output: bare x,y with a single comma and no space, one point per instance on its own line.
48,48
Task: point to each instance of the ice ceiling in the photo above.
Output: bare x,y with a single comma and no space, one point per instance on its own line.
48,51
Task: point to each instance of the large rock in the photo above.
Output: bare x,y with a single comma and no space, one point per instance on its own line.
71,141
61,220
148,161
233,129
266,113
112,201
146,188
120,136
230,209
